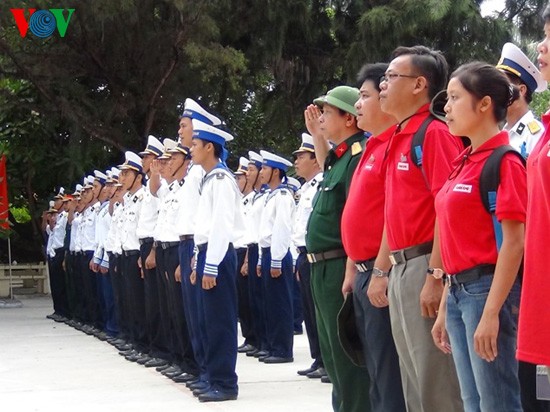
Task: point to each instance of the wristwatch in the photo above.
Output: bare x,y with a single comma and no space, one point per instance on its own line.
379,273
436,272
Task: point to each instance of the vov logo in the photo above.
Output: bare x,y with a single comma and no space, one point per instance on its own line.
42,23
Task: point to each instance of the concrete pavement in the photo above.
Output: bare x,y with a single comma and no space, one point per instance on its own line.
48,366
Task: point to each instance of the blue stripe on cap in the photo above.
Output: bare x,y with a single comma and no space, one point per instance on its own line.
308,146
529,80
256,163
197,116
155,150
136,165
276,165
210,137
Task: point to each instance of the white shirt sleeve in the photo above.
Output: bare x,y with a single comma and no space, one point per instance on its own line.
282,228
223,215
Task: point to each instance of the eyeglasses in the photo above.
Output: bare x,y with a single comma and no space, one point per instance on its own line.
388,77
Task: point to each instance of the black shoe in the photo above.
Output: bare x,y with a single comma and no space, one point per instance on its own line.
174,371
124,347
304,372
200,391
245,348
277,359
199,385
184,377
117,342
191,382
264,357
261,353
134,357
317,374
163,367
88,330
127,352
144,359
102,336
326,379
252,352
52,316
217,396
155,362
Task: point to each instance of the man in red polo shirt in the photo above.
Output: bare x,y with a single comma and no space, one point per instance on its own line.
362,225
412,79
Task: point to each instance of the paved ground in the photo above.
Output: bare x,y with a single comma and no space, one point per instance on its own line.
47,366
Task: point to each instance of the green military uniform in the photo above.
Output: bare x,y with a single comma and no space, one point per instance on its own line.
350,382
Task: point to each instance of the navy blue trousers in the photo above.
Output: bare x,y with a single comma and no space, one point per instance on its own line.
278,306
190,294
114,274
91,299
108,304
218,320
256,295
245,316
57,283
158,347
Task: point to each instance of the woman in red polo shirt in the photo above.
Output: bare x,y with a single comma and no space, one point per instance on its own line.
534,320
480,306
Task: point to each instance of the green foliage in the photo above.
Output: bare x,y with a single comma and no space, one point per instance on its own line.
20,214
540,103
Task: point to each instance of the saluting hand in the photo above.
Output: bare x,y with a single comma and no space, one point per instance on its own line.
208,282
312,115
275,273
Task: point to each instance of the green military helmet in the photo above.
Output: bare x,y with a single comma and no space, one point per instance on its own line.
342,97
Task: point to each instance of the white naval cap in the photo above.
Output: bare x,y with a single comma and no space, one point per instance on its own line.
100,177
210,133
275,161
193,110
60,193
243,166
255,158
131,161
154,147
513,60
168,145
77,189
293,183
307,144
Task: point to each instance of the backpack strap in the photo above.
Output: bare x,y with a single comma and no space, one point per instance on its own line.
489,181
418,141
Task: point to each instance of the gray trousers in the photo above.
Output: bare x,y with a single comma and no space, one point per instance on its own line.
428,376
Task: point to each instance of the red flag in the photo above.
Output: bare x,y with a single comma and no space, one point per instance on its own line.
4,202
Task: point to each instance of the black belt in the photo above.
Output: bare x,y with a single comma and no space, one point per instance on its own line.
146,240
365,265
331,254
202,247
469,275
401,256
301,249
130,252
183,238
252,245
167,245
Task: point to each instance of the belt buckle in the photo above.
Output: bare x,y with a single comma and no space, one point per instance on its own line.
392,259
311,258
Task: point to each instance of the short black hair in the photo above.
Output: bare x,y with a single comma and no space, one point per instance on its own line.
431,64
517,81
482,79
372,72
546,14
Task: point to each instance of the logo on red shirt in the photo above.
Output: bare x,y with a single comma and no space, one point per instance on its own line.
462,188
403,164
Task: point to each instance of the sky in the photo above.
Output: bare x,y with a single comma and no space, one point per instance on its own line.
489,6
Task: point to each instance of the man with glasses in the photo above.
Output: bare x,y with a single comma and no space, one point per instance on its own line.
410,242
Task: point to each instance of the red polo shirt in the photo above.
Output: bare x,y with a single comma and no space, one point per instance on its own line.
466,230
410,190
534,313
363,216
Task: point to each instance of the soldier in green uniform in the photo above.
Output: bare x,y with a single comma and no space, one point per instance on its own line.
338,145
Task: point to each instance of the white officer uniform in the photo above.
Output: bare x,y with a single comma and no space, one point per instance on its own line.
132,207
278,214
525,134
149,208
